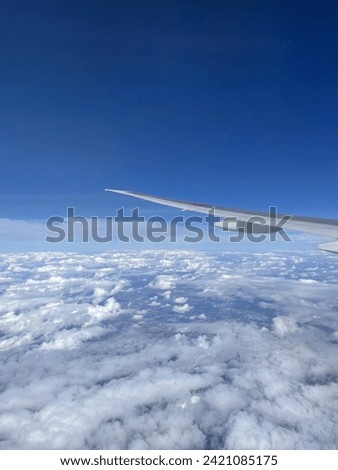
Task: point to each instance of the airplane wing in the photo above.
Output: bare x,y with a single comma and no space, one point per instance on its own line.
251,221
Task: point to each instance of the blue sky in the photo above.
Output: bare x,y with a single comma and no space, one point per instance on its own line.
227,102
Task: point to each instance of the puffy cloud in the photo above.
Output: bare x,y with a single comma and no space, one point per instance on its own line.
182,308
93,357
163,282
284,325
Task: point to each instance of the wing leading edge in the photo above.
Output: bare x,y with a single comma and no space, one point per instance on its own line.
239,219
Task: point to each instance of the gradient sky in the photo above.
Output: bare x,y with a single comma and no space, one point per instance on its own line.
228,102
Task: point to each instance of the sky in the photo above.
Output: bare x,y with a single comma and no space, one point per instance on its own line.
232,103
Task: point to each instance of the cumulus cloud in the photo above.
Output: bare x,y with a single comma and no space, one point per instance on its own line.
184,308
284,325
92,356
163,282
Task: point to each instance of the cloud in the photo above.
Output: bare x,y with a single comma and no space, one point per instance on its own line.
92,356
11,229
284,325
163,282
182,308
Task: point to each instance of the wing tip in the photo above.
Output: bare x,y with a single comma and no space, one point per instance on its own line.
119,191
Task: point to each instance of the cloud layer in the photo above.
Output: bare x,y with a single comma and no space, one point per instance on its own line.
168,350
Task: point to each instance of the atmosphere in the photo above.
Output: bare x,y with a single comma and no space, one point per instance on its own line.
227,102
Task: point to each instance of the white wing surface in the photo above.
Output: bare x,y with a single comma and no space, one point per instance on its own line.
251,221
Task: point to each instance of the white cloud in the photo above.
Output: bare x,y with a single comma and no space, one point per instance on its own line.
284,325
86,363
182,308
163,282
12,229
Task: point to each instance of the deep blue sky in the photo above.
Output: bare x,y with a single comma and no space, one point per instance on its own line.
231,102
